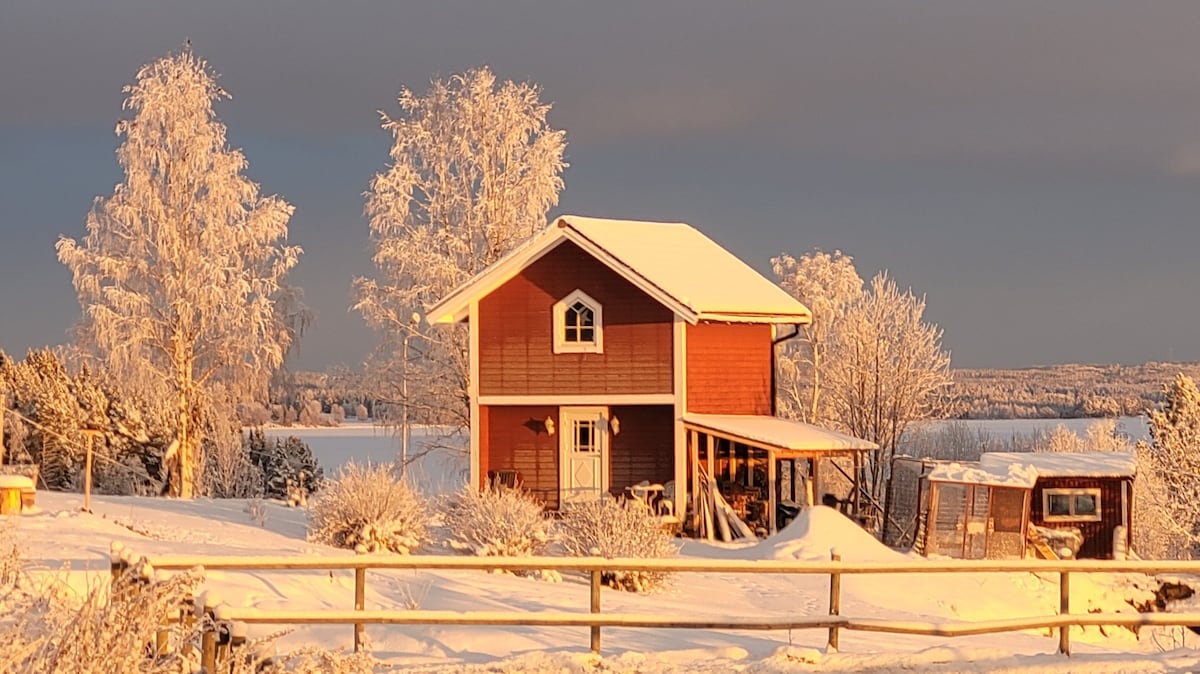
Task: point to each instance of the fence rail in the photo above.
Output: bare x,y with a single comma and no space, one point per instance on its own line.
595,620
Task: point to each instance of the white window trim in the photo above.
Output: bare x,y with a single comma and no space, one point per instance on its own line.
561,345
1094,492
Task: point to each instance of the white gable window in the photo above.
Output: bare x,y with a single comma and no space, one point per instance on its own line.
578,324
1071,505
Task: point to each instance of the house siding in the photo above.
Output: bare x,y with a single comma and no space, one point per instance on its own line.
513,438
729,368
516,349
1097,536
644,447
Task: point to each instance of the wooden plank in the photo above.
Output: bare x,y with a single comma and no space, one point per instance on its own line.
444,562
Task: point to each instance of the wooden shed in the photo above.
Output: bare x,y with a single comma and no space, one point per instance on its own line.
995,508
1088,491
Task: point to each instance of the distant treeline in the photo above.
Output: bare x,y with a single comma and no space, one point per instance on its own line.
1064,391
1055,391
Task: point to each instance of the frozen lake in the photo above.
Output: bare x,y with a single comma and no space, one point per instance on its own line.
1135,427
438,460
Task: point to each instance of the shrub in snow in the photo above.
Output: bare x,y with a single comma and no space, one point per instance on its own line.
371,507
361,412
303,661
618,528
496,522
230,471
10,561
53,630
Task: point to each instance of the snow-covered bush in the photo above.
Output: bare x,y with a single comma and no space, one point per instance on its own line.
618,528
369,506
496,523
53,630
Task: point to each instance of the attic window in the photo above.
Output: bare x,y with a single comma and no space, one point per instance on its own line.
1071,505
578,324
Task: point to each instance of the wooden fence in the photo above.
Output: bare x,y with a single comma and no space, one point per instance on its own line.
594,619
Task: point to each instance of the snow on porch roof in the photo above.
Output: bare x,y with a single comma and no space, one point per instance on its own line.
1065,464
672,262
776,433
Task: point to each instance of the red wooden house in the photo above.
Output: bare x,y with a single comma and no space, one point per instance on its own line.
605,353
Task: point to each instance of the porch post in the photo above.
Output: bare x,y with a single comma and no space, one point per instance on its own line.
772,490
854,484
810,490
710,450
694,492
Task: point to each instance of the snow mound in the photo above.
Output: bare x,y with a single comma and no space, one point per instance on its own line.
815,532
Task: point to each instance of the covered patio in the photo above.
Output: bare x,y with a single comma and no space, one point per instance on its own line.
757,462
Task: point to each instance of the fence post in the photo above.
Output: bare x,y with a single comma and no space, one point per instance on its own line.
1064,608
116,563
360,601
595,609
208,638
835,598
162,638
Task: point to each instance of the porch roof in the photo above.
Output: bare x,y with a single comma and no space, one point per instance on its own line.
783,436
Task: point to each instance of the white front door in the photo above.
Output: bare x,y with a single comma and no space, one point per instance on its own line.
583,453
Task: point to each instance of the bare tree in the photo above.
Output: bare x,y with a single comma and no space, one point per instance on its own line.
828,285
886,370
474,169
182,271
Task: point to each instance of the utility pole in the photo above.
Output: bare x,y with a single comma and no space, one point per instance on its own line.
87,469
413,321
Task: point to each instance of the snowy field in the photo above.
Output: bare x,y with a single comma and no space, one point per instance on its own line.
71,546
66,545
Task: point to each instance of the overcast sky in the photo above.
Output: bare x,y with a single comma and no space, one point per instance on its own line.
1033,168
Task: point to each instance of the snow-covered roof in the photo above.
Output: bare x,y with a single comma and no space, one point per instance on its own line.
670,261
1065,464
1014,475
776,433
15,482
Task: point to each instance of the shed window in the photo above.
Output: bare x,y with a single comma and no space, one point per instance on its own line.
578,324
1071,505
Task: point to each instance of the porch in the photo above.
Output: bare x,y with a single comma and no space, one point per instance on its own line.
758,463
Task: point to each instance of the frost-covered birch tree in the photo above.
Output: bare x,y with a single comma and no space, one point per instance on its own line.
182,268
887,370
1171,463
869,364
474,169
828,285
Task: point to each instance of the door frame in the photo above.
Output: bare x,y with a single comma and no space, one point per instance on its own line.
566,439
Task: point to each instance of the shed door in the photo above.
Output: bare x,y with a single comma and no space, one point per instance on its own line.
583,443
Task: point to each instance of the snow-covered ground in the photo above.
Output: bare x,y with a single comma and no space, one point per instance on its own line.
70,546
63,542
